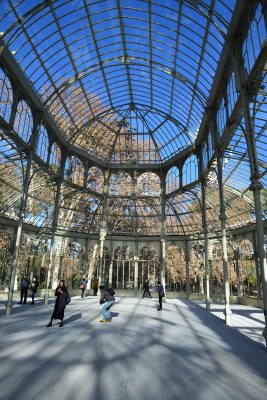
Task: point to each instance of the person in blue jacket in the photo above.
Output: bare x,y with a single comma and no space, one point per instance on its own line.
161,293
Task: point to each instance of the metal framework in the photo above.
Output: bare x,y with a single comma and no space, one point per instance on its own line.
124,122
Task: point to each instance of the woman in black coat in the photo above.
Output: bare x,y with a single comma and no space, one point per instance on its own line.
62,297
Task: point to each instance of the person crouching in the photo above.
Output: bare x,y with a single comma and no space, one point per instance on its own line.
107,300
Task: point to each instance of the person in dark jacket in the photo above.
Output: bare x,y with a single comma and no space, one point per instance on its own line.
146,288
82,286
24,287
62,299
34,287
95,286
160,290
107,300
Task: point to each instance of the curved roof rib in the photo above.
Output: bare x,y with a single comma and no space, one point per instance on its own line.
93,62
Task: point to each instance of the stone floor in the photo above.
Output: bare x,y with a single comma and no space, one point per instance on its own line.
247,320
183,352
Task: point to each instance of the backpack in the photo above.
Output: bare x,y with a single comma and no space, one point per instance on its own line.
161,292
82,285
111,291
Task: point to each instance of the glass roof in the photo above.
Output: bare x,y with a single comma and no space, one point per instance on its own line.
126,80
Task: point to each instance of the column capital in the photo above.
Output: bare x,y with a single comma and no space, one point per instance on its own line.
205,229
255,186
54,228
205,181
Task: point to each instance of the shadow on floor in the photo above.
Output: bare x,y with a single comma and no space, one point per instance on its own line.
72,318
19,308
114,314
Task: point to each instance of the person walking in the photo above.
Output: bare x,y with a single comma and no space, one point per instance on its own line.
161,293
24,287
34,287
82,286
107,300
62,299
146,288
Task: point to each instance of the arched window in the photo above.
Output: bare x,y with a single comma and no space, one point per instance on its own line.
78,211
172,180
148,184
254,37
247,269
74,171
5,258
43,143
190,170
148,266
40,201
173,223
221,116
95,179
123,252
6,96
175,269
12,166
123,267
120,184
23,121
55,157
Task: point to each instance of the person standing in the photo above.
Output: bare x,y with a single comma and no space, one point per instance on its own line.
82,286
161,293
62,299
107,300
95,286
146,288
34,287
24,287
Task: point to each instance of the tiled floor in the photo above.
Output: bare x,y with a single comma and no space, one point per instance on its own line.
247,320
183,352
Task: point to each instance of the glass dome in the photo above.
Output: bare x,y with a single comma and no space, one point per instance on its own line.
127,81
